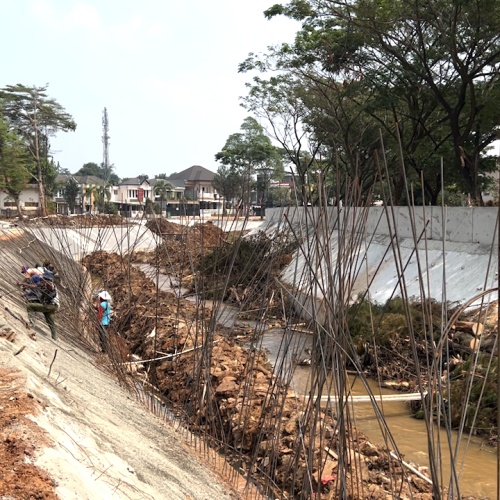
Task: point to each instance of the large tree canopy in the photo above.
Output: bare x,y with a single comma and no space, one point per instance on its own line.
250,153
35,117
100,171
418,75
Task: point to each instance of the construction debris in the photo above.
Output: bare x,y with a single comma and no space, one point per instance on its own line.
229,394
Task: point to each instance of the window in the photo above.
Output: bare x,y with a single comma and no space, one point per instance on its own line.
31,204
132,193
9,203
115,192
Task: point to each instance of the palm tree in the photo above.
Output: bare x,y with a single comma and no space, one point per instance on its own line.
71,192
162,189
88,193
102,195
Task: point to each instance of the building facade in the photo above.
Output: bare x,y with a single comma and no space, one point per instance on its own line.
28,202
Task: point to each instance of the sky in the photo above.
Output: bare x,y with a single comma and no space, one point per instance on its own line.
165,70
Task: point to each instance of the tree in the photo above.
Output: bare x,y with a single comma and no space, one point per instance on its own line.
162,189
91,168
142,178
100,171
439,60
228,183
102,197
62,170
113,179
88,195
251,152
278,101
14,173
71,192
35,117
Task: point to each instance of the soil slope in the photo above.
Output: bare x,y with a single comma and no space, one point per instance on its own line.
68,430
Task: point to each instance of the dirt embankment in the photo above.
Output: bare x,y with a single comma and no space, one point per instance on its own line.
228,394
20,437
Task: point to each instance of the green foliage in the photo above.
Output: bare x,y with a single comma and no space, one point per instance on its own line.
90,168
228,182
164,190
151,208
419,76
279,197
483,395
71,191
386,324
246,154
102,195
49,174
110,208
99,171
241,262
14,161
35,117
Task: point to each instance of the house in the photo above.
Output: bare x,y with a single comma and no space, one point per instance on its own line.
197,182
173,201
131,194
28,201
85,199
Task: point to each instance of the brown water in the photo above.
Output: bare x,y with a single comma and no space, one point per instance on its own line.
477,466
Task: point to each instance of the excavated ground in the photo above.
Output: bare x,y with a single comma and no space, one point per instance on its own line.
243,405
20,437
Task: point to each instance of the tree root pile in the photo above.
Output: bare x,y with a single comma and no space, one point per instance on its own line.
182,247
229,394
470,342
250,268
239,271
19,440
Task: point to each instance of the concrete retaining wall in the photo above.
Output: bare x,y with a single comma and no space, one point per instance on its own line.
461,224
456,270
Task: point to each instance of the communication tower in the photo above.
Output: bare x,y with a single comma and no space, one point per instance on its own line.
105,144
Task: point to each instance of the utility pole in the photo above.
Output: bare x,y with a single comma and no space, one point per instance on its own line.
105,144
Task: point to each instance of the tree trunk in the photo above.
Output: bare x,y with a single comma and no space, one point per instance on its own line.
18,206
469,169
397,192
41,191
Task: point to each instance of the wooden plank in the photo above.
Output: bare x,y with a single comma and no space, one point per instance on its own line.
414,396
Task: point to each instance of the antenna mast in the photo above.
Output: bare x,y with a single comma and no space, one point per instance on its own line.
105,144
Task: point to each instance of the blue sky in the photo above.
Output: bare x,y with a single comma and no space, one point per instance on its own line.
165,70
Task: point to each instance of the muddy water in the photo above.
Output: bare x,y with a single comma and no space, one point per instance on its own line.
477,467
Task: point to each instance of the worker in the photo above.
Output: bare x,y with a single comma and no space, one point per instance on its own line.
41,296
104,316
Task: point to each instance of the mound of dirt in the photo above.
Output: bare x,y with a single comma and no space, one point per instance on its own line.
86,220
229,394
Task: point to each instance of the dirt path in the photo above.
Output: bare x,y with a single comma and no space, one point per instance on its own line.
77,434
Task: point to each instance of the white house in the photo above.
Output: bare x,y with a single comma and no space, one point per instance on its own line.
29,202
